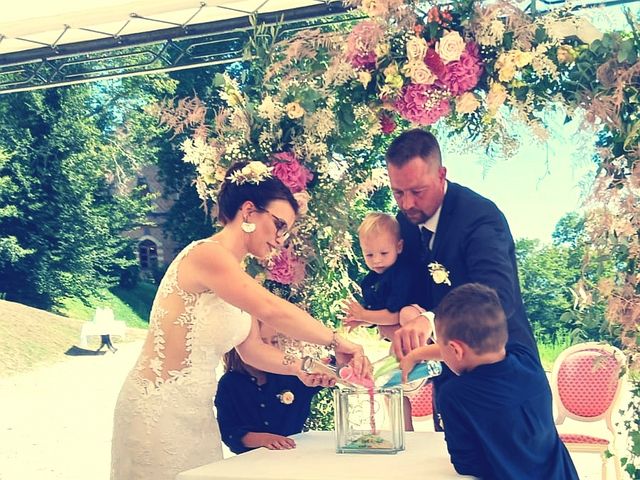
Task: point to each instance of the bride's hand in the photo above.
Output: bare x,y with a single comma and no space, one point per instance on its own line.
348,352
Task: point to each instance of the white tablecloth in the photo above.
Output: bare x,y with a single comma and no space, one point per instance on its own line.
315,458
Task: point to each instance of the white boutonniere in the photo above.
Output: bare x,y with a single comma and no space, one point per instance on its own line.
439,273
287,397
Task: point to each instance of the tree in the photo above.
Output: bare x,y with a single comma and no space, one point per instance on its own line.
69,197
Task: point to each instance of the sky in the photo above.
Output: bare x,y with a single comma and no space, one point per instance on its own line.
541,183
538,185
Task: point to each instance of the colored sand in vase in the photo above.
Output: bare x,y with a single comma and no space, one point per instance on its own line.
346,373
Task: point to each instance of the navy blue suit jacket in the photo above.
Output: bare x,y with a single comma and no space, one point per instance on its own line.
474,243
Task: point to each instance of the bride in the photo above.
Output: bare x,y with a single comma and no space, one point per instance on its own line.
164,421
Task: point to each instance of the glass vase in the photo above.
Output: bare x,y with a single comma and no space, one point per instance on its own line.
369,421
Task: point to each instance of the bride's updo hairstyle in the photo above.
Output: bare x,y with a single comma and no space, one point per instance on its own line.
258,186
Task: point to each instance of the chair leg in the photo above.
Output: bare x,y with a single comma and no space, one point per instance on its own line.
618,467
603,457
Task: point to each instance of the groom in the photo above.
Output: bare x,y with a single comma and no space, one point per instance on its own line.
457,236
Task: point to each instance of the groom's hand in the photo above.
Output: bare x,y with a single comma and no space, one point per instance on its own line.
412,335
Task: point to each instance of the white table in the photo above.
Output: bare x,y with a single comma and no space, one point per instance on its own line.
93,328
315,458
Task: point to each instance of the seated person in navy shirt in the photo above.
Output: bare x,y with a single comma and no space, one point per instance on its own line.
389,289
260,409
497,416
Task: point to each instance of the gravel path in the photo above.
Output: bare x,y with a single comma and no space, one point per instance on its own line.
56,421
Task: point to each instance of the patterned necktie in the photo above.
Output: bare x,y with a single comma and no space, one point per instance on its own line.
426,235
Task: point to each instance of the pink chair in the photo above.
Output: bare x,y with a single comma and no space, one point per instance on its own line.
586,382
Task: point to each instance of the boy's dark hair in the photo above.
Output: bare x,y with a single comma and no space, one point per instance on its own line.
411,144
232,196
472,313
233,363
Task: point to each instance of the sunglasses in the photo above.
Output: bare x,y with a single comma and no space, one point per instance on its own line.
282,228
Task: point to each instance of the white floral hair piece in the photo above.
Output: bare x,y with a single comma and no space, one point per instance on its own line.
253,172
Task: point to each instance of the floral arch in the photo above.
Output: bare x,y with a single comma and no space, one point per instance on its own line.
320,107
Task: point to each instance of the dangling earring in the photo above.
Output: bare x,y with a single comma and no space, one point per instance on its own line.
248,227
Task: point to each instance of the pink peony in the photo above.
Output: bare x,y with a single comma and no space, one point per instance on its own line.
286,268
387,123
422,104
463,75
362,42
291,172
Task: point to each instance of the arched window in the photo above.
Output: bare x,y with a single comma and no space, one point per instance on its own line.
148,255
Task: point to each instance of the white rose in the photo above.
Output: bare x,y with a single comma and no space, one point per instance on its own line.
287,397
416,48
450,47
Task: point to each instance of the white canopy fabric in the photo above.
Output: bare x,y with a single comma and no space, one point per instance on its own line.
29,24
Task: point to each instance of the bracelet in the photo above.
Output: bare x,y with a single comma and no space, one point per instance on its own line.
334,341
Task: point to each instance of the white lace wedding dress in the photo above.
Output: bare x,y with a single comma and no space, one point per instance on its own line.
164,421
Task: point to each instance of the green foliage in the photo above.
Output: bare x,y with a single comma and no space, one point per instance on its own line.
69,198
130,305
321,417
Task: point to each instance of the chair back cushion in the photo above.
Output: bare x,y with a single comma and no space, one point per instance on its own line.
587,382
421,402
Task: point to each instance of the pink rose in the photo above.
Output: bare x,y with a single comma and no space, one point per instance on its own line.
387,123
463,75
291,172
422,104
286,268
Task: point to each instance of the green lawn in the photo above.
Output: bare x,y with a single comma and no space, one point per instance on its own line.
131,305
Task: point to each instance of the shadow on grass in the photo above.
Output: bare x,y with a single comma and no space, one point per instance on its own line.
76,351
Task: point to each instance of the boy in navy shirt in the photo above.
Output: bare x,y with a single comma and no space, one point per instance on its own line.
496,411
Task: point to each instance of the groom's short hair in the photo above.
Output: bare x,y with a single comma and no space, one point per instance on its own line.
411,144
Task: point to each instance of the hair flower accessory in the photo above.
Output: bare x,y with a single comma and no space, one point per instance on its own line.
253,172
287,397
439,273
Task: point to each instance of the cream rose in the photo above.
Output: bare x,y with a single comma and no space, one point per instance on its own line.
496,97
566,54
467,103
450,47
416,48
294,110
440,276
303,201
506,67
419,73
364,78
522,59
287,397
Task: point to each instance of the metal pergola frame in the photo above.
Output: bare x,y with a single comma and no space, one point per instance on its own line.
175,48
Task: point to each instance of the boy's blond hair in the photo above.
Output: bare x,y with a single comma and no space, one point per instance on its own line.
376,223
